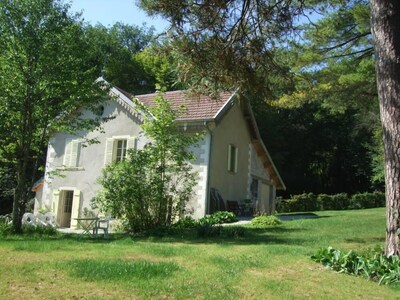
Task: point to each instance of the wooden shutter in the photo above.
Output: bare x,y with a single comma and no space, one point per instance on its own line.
76,203
74,158
236,160
131,143
229,157
67,152
54,206
109,151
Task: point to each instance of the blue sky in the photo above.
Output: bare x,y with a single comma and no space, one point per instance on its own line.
108,12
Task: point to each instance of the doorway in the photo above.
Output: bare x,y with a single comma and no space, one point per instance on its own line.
65,208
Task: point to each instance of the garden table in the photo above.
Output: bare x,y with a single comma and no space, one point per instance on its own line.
87,224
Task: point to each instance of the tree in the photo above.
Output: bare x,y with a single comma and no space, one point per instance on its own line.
47,72
386,33
152,186
229,44
119,45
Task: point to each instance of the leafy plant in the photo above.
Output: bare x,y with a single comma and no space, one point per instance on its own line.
152,186
375,265
265,221
186,222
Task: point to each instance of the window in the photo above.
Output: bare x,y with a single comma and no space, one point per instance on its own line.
71,153
120,151
117,148
232,158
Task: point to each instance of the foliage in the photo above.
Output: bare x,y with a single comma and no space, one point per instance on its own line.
265,221
39,230
186,222
118,46
367,200
376,266
223,45
219,217
150,189
312,202
47,72
317,149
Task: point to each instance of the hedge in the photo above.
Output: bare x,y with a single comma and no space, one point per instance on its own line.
342,201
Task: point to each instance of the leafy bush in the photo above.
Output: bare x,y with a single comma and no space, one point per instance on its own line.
311,202
265,221
39,230
186,222
152,186
367,200
302,202
375,266
219,217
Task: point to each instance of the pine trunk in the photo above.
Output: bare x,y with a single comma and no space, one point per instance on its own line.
386,33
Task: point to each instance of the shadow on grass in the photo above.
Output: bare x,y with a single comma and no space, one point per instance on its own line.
248,236
298,216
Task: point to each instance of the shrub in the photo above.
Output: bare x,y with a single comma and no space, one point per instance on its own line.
186,222
367,200
340,201
375,265
219,217
39,230
302,202
265,221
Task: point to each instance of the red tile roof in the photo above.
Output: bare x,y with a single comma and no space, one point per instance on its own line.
197,107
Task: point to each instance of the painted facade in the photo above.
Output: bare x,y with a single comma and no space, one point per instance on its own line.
228,158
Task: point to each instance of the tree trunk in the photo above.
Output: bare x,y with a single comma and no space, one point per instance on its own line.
386,33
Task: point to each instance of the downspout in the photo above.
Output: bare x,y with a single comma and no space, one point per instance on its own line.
207,204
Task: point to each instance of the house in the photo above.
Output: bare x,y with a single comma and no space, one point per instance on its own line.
231,158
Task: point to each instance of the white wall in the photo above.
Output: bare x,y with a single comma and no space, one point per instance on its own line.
91,158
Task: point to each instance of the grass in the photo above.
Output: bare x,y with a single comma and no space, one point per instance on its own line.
269,263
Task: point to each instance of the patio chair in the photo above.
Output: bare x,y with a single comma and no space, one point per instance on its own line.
102,224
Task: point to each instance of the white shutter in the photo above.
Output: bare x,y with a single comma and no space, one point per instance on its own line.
54,206
229,158
74,158
109,151
236,159
67,152
76,203
130,143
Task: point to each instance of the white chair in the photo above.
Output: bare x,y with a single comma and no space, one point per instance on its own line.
29,219
50,219
102,224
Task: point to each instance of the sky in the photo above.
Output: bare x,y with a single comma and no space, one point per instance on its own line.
108,12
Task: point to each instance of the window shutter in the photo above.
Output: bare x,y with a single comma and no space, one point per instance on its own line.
74,158
109,151
67,152
236,160
54,206
229,158
76,203
131,143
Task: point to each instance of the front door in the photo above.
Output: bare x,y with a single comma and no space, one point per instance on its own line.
65,208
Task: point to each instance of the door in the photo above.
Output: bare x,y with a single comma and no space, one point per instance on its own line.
65,208
265,205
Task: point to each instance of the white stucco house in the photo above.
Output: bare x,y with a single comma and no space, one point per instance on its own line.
231,158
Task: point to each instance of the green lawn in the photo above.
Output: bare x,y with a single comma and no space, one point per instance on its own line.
265,264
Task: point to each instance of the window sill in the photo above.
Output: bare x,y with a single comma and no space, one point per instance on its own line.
64,168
